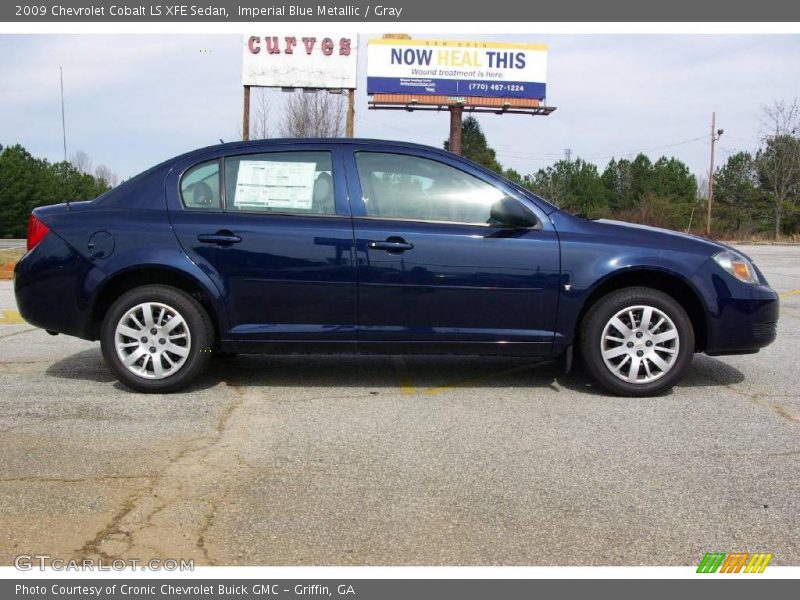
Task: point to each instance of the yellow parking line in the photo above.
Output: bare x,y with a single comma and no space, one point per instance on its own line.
791,293
406,386
11,317
476,380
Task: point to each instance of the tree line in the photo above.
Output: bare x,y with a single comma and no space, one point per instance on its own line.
755,194
27,182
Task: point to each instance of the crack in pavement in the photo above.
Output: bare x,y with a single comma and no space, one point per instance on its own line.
759,398
5,363
8,335
162,515
92,479
208,522
781,410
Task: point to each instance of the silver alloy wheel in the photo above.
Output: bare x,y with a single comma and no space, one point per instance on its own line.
152,340
640,344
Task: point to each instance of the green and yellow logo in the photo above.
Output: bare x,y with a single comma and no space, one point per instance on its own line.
721,562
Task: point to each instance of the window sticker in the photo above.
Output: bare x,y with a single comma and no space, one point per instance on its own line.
266,184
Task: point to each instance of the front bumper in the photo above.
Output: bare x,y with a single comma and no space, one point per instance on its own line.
743,326
741,318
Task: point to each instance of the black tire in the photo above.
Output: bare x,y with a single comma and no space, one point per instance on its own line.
599,315
198,323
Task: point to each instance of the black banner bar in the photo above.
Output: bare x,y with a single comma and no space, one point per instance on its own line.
704,587
400,11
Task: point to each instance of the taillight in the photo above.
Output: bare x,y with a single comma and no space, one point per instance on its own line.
36,232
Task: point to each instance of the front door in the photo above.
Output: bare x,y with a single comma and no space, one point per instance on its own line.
435,273
273,230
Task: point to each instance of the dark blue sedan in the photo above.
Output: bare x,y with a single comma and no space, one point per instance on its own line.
341,246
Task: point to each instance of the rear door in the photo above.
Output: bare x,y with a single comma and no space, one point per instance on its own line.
272,228
434,273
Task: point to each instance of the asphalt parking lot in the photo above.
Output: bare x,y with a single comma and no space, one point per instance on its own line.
386,461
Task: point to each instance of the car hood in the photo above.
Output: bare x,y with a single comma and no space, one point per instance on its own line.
663,236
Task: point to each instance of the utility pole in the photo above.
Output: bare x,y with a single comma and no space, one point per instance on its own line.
715,135
63,121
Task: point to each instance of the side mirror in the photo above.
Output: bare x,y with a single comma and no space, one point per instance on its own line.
511,214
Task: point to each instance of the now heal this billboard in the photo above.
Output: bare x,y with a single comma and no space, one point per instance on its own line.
457,68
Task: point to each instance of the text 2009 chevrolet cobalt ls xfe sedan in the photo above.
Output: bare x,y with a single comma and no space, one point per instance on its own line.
370,246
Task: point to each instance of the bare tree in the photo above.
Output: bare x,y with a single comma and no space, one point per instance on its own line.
780,118
313,114
104,173
259,127
81,161
778,162
702,187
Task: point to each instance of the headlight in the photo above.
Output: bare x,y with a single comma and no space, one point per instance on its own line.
737,265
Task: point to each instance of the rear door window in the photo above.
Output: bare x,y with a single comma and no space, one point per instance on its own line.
200,186
280,182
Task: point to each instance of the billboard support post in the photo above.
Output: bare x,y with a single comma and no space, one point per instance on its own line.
456,114
246,114
351,112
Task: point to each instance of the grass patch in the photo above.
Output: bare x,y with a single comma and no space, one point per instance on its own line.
9,258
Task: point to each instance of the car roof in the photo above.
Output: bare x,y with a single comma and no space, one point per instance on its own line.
315,141
242,144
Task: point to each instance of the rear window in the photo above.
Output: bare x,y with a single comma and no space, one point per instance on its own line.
200,186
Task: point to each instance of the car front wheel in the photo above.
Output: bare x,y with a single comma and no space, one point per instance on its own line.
637,341
156,338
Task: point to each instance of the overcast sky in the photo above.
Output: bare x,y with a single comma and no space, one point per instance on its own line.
134,100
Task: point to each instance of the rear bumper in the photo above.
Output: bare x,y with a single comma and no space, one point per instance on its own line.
51,285
742,318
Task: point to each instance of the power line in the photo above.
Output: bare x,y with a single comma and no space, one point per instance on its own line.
673,145
548,157
744,139
555,156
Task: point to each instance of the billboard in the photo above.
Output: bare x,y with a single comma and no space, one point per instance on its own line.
456,68
300,61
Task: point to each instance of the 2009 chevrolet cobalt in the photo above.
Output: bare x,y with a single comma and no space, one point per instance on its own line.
371,246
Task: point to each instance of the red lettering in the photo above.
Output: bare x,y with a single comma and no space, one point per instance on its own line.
272,45
309,42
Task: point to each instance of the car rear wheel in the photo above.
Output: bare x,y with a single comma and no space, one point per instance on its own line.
156,338
637,341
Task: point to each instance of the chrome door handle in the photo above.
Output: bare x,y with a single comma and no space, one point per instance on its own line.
391,245
222,238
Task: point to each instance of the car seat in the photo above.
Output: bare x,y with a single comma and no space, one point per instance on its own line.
322,201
